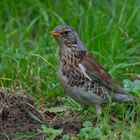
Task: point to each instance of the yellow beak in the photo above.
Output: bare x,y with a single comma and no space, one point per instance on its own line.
54,33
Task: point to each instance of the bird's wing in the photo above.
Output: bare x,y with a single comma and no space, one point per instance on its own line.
94,71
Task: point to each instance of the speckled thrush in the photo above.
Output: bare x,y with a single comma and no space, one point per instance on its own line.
84,79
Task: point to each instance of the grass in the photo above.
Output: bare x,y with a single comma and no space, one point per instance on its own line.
29,56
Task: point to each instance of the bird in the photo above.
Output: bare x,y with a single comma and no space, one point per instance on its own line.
83,78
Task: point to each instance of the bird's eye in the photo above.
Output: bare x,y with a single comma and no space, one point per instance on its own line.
66,32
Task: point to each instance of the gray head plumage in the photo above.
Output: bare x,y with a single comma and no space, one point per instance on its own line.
67,38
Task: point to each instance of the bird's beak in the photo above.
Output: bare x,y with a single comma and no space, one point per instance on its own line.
54,33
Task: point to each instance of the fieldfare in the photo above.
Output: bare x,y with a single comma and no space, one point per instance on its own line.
84,79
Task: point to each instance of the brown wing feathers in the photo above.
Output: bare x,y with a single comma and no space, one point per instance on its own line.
97,72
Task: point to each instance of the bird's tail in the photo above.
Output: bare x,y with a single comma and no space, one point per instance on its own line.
118,97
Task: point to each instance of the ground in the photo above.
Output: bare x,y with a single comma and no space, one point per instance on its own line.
15,117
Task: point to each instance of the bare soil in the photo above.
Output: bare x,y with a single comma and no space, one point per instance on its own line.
15,117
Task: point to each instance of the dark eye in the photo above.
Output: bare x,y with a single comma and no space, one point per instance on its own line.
66,32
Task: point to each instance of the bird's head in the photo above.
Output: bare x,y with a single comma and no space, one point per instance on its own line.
67,39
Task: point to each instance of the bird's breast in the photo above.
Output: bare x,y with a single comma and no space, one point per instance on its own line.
69,67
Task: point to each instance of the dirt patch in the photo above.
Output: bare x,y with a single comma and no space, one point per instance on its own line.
16,117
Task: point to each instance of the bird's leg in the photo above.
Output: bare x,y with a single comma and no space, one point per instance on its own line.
98,109
99,113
